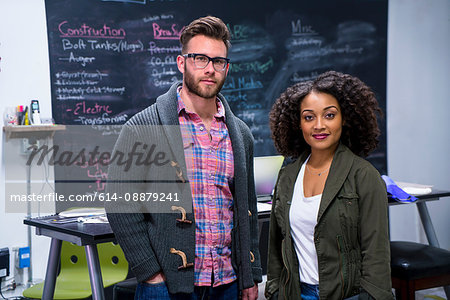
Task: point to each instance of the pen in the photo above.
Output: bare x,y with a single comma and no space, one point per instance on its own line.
25,120
65,220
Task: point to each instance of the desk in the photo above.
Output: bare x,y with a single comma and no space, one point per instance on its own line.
87,235
425,215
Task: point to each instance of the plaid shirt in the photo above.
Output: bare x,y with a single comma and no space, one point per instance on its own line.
210,164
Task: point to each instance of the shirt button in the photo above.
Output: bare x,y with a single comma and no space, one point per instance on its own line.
201,128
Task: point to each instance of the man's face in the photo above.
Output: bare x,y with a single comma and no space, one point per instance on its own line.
206,82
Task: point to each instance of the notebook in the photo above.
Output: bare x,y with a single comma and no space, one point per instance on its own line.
266,170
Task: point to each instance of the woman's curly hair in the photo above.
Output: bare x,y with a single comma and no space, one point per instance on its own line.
359,112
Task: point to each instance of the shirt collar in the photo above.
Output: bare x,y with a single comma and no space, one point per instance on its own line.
182,107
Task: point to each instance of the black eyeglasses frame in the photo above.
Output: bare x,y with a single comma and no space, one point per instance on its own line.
194,55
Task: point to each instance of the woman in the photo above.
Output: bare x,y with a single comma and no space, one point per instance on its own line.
328,226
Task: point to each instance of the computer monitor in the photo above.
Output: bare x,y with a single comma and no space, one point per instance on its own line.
266,170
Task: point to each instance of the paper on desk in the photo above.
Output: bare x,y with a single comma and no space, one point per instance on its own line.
93,220
264,207
83,212
415,188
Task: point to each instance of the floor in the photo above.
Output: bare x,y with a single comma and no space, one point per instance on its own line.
430,294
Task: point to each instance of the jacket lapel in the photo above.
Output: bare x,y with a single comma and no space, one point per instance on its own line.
340,167
237,145
167,106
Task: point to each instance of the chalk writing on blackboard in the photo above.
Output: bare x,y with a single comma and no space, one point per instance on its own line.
86,31
169,33
111,59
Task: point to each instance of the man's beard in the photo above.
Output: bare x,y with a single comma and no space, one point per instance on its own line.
194,87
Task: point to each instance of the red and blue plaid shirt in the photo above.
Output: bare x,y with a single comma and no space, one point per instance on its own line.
210,167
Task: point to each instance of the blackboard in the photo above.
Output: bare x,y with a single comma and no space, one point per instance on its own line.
111,59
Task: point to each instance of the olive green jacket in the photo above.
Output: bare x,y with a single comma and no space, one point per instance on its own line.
351,235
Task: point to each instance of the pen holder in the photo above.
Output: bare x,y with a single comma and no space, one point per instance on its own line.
10,116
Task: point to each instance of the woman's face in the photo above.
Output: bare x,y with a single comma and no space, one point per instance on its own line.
321,121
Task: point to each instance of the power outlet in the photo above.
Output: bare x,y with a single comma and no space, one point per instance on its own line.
28,145
24,257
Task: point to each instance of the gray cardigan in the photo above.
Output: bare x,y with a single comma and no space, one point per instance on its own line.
147,238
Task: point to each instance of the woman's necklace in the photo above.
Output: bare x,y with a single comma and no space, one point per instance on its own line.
314,173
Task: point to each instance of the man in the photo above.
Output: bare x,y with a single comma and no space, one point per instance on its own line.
211,253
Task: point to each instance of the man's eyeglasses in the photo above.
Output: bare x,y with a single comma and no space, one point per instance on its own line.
201,61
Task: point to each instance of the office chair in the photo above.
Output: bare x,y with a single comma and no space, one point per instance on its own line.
73,281
417,266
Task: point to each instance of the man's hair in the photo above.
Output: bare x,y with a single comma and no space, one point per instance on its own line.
209,26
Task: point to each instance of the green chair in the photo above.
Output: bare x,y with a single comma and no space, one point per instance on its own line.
73,280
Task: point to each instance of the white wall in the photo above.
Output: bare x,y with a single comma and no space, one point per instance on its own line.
24,76
417,102
418,107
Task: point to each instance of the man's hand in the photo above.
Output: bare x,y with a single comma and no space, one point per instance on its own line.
250,293
157,278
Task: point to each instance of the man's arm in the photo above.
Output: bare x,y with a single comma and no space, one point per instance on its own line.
128,223
131,234
252,293
253,214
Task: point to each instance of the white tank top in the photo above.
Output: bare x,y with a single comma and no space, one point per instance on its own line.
303,220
